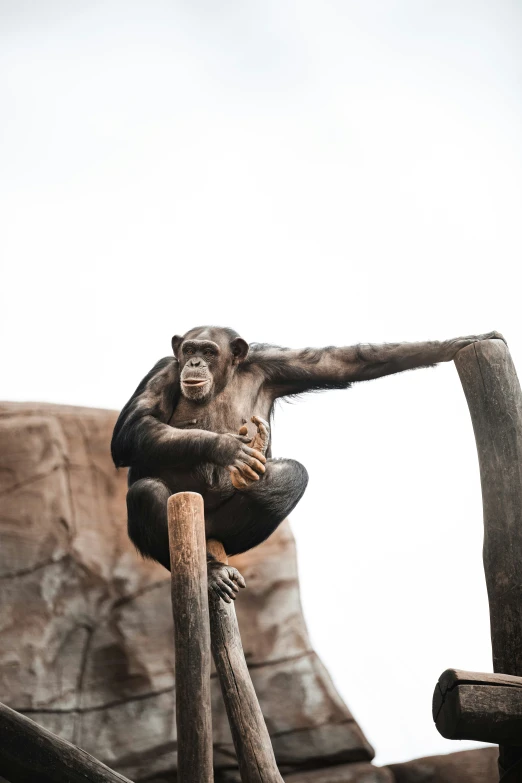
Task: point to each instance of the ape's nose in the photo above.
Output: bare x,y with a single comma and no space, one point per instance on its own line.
195,362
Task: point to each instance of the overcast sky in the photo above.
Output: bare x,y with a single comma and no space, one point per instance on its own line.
309,173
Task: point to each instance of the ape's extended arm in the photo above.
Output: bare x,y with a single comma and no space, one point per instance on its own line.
296,371
142,435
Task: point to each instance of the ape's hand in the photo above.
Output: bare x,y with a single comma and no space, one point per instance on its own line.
243,478
241,457
224,581
455,345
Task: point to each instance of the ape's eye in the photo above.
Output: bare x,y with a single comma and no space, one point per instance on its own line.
208,352
189,351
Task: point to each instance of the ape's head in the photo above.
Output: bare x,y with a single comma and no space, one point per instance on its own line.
207,356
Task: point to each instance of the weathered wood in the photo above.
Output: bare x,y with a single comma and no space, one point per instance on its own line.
481,707
452,677
495,401
254,751
456,677
191,636
29,753
494,398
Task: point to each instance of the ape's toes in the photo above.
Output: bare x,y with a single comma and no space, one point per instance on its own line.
224,581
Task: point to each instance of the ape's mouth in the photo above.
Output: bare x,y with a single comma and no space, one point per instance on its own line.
194,381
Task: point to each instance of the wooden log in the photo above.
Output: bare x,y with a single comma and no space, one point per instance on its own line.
191,637
29,752
254,750
494,398
481,707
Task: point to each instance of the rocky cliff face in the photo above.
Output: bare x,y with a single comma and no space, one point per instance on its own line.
86,626
86,639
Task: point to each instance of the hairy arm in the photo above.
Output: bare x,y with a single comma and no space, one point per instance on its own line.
289,371
142,435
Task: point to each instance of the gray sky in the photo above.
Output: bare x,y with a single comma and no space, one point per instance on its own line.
309,173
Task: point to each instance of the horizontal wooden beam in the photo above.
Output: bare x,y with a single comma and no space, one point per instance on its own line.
481,707
29,752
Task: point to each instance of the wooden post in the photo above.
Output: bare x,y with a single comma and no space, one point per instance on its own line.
480,707
28,752
191,637
494,397
254,750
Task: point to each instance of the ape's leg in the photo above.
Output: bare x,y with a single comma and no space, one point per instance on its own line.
147,501
147,519
240,523
252,514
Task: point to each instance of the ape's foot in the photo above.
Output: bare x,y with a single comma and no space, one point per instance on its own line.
261,439
224,581
242,479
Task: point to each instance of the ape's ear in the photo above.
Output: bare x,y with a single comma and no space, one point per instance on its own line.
176,344
239,348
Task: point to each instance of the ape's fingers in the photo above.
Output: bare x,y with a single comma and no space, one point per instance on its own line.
493,336
254,464
241,437
260,423
254,453
237,576
220,593
230,588
247,472
236,478
230,583
228,591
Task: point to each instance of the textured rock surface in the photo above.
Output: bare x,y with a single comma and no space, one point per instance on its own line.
86,629
468,766
345,773
338,773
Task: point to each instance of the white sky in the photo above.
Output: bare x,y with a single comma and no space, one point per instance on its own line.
308,173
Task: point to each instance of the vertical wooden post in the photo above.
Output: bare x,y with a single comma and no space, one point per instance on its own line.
191,637
254,750
494,397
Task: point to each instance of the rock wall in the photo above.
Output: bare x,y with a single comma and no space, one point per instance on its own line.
86,628
468,766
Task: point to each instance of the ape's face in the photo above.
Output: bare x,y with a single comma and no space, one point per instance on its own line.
201,361
206,365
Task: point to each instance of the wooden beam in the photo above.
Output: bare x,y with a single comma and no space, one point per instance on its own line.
254,751
492,390
481,707
191,637
29,752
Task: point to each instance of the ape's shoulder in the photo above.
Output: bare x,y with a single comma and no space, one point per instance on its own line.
260,354
157,396
165,371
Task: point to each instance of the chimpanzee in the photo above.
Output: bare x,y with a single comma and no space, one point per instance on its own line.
199,422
